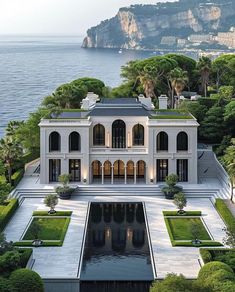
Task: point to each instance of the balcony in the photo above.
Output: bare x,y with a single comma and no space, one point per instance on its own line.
107,150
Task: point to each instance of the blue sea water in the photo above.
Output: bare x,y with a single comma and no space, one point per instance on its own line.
32,67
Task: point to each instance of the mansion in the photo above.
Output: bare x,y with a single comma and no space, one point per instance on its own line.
119,141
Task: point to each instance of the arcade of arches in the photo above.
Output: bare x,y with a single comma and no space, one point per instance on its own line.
118,172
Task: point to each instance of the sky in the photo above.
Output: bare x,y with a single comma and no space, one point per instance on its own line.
57,17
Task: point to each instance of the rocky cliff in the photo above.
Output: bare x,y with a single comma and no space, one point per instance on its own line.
163,24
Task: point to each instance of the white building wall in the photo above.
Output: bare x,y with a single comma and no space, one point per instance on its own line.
147,153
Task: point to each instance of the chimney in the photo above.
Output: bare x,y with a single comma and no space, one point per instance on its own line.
146,101
90,101
162,99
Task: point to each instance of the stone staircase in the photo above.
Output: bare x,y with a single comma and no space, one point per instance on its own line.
123,190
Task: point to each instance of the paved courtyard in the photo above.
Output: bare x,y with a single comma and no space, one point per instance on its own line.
64,262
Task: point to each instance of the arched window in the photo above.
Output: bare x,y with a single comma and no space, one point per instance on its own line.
54,142
118,134
74,142
138,135
162,141
99,135
182,142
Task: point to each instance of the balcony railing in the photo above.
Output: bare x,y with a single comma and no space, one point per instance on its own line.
118,150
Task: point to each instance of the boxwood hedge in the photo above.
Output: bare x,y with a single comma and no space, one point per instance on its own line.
7,212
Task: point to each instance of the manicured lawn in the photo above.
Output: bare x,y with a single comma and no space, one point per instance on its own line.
50,228
181,228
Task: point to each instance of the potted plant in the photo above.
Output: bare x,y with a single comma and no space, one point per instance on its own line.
51,201
171,189
180,201
64,191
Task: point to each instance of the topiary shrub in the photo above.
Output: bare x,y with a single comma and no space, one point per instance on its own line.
206,255
210,268
227,258
26,280
9,262
5,285
172,283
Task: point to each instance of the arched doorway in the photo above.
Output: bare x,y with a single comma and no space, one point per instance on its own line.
107,172
140,172
96,171
118,134
119,172
130,173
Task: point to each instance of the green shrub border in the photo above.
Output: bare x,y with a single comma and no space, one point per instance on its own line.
47,242
225,213
176,243
17,176
187,213
7,212
25,254
207,253
58,213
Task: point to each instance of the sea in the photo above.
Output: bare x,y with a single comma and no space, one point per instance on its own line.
32,67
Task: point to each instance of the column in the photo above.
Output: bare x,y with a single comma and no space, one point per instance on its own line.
102,174
134,174
125,174
112,175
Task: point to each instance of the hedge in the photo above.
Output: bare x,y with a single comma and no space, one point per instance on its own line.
29,243
47,242
225,213
17,176
187,213
205,255
7,212
203,243
58,213
25,254
189,243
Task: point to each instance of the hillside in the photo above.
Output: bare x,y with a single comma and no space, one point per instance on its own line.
187,23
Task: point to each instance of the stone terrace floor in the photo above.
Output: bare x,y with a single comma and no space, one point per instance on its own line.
63,262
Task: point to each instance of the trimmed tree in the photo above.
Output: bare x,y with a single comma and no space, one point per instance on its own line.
171,189
180,201
195,230
51,201
26,280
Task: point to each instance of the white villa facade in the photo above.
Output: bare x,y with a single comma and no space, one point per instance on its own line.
119,141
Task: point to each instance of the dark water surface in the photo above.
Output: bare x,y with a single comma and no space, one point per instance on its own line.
32,67
116,247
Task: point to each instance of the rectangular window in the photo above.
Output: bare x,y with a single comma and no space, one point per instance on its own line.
54,169
162,169
182,169
75,169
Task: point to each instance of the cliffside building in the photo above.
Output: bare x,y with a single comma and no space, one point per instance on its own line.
123,140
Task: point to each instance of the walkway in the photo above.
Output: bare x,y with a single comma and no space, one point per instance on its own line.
63,262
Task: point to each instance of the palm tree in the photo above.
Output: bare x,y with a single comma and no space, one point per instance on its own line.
204,67
148,78
178,80
10,152
229,159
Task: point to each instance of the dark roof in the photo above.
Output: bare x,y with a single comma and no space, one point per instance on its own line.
120,101
73,114
119,111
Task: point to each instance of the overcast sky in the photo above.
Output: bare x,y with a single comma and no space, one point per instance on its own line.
65,17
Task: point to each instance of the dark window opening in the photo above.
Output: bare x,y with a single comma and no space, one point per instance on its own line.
138,135
162,169
182,169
